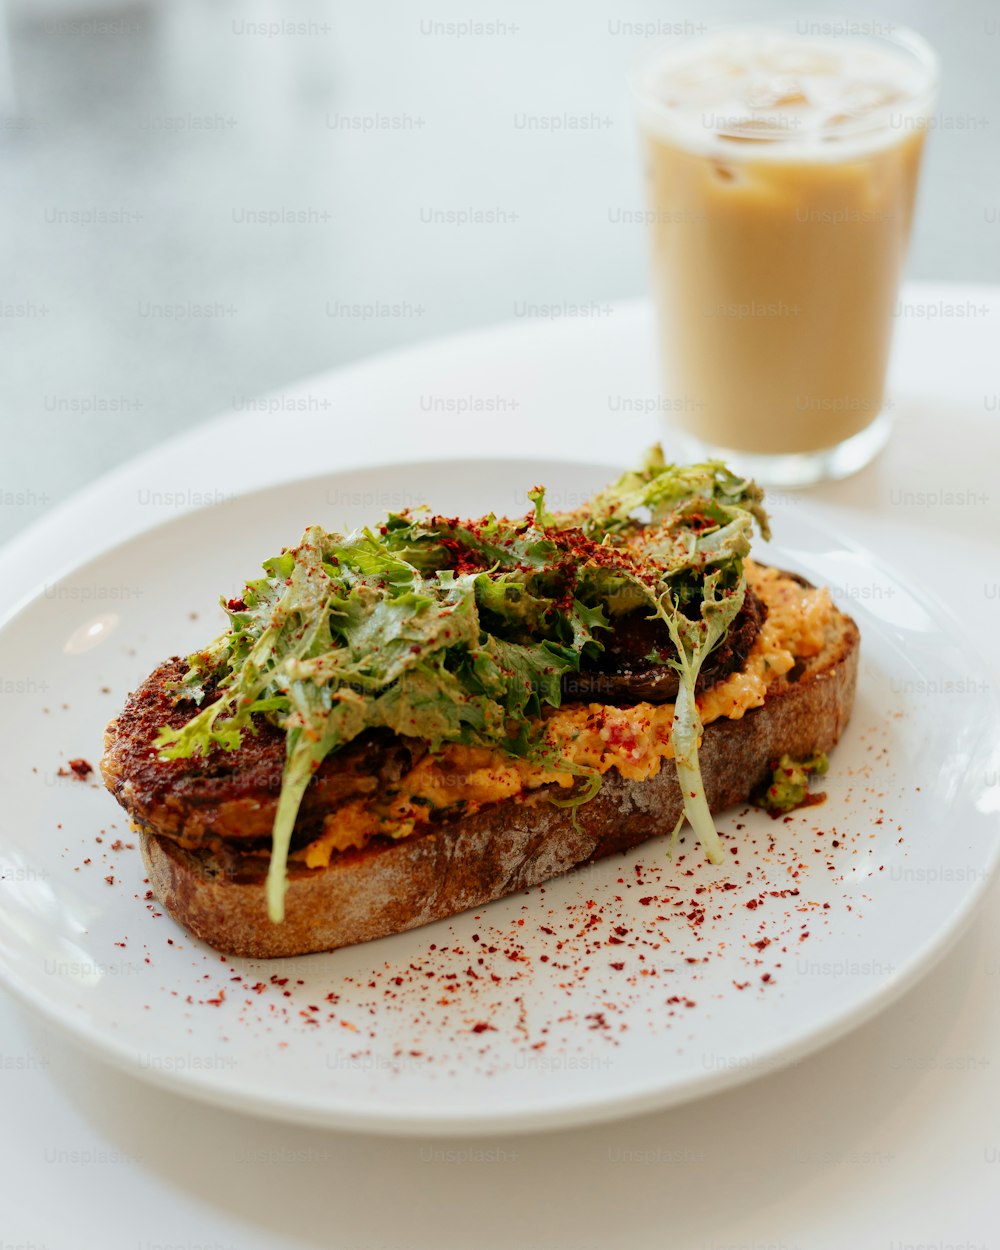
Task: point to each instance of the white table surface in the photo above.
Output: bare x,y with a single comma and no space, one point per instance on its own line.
889,1139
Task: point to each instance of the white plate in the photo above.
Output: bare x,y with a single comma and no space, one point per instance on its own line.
517,1016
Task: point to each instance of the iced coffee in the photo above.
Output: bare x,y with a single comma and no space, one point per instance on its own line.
782,169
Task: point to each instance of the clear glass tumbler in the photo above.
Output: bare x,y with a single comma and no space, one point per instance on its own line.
782,164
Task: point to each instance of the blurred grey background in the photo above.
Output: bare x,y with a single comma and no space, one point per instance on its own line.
203,200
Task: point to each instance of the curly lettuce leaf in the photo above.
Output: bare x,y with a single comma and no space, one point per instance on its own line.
694,641
462,631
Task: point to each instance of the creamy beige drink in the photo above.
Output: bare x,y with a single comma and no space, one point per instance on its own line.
782,170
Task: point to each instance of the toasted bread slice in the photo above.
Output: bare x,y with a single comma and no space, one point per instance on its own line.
471,859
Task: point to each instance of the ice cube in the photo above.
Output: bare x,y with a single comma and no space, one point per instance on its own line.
773,93
724,172
798,61
861,98
709,70
753,130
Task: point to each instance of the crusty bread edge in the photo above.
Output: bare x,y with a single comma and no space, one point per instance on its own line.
504,847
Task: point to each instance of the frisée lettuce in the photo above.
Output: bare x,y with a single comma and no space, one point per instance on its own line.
458,631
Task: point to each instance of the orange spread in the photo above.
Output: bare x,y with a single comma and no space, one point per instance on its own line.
633,740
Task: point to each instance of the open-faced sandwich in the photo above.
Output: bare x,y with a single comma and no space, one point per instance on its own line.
417,718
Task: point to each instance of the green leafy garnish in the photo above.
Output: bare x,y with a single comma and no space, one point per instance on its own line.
454,631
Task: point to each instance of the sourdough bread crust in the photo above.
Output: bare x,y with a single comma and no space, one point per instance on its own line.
504,847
